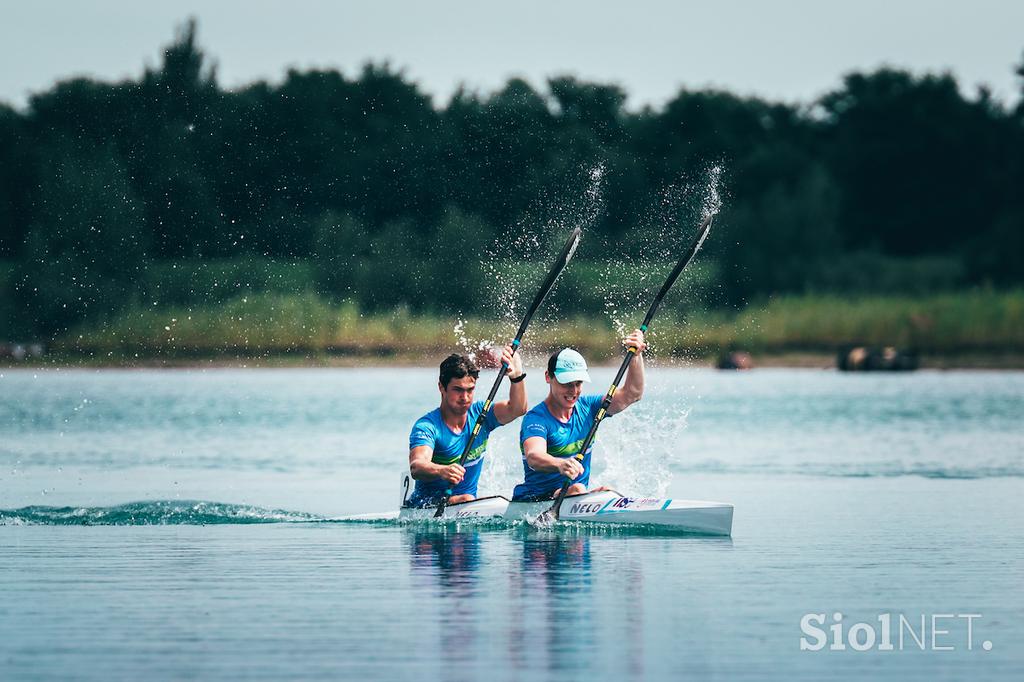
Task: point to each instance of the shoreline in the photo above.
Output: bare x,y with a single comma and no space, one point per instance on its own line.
792,360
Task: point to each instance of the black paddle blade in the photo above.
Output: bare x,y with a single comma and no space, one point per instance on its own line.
546,519
551,515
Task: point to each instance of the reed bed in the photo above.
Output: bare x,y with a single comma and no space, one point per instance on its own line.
262,325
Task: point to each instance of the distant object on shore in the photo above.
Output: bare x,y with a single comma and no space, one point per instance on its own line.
21,351
876,359
735,360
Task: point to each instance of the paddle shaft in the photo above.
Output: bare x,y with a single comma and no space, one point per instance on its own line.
702,233
563,259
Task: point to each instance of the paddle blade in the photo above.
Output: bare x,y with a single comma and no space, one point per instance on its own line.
545,520
441,507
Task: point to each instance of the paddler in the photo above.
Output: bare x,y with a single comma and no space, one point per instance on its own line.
439,437
553,431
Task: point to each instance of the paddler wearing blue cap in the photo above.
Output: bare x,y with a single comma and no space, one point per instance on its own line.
553,432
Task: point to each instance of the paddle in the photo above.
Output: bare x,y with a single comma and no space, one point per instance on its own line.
563,259
551,515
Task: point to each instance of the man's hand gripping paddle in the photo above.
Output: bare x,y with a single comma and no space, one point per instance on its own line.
549,516
563,259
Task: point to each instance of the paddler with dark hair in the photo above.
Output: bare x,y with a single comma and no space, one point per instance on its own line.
439,437
553,432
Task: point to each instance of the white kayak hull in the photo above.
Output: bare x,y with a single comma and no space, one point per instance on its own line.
610,508
482,507
606,507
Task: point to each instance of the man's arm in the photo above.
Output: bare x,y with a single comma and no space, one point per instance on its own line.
536,450
515,407
422,469
632,389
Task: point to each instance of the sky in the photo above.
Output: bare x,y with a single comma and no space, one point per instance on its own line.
788,50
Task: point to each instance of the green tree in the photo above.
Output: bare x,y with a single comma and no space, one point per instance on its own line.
454,276
394,199
341,245
15,181
919,165
87,247
1019,70
782,238
394,272
497,151
590,114
175,160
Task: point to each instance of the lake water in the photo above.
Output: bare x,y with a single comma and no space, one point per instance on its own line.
184,525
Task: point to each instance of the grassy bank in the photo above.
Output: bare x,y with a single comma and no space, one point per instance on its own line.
978,321
974,324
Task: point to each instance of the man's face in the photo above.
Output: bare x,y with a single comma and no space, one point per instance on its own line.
458,396
565,395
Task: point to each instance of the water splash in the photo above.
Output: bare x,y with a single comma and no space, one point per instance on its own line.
632,457
629,282
154,513
459,330
594,204
467,343
516,262
635,458
711,201
504,466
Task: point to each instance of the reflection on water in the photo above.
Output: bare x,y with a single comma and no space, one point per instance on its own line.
446,565
553,592
447,555
559,595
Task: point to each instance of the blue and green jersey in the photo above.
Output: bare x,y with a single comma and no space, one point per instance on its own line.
563,440
431,430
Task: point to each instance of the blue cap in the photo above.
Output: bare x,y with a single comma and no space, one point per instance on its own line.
570,366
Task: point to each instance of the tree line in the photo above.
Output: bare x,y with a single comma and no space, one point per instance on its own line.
891,182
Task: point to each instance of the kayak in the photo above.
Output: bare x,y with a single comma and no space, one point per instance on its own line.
609,507
480,507
606,507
